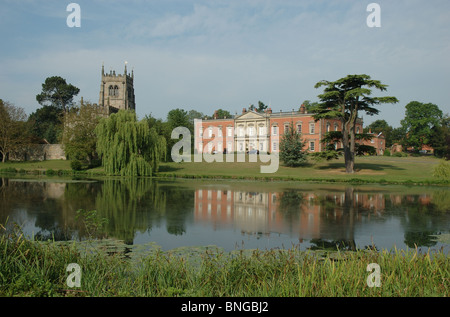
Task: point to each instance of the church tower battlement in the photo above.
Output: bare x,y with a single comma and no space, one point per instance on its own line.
117,91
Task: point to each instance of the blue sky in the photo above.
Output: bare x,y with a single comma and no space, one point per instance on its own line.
205,55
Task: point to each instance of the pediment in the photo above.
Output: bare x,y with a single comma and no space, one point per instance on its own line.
250,116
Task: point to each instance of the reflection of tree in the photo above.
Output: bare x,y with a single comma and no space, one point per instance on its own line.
441,200
290,202
338,211
125,204
342,245
179,206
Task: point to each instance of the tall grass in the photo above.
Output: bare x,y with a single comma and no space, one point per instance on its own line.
29,268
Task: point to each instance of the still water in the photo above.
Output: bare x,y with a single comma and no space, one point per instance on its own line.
231,215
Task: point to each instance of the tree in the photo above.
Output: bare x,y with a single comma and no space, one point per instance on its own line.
46,124
343,99
222,114
13,129
420,119
129,147
309,105
291,148
79,138
57,92
261,106
440,138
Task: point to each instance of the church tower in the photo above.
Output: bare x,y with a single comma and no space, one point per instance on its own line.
117,91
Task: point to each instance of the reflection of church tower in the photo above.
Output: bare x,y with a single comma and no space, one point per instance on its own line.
117,91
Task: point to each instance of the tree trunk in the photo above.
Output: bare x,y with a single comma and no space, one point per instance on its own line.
349,156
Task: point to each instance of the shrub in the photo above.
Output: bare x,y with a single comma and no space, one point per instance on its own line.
400,154
76,165
442,170
387,152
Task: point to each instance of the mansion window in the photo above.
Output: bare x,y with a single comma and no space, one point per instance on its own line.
229,131
275,130
299,128
312,127
328,127
262,130
335,127
312,146
251,131
220,131
274,146
210,132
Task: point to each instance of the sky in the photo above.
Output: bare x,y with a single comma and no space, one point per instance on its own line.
227,54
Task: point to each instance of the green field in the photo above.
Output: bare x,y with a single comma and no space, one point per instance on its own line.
376,169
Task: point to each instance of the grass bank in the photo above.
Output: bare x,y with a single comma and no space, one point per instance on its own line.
37,269
369,169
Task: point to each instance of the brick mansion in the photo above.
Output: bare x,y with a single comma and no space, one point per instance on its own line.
249,131
262,131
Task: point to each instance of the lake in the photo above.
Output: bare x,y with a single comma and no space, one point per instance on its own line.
227,214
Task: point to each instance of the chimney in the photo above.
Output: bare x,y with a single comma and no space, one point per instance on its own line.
215,114
302,109
244,110
269,110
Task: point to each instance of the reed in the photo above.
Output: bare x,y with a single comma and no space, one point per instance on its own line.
30,268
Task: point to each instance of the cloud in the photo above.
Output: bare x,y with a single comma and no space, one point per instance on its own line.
207,54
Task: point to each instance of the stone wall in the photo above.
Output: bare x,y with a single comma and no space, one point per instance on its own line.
39,152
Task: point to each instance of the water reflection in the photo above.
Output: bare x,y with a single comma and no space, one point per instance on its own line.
175,214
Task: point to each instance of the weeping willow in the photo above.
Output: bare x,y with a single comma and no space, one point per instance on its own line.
129,147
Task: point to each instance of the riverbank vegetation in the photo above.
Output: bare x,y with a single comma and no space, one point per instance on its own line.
37,269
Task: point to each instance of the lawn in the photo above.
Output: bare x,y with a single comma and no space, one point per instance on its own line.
367,169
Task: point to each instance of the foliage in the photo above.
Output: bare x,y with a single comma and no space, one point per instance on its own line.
343,99
291,148
129,147
440,138
222,114
420,118
79,138
400,154
36,269
57,92
13,129
46,124
387,152
442,170
93,223
329,154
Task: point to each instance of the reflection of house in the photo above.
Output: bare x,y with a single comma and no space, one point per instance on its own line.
262,131
264,213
